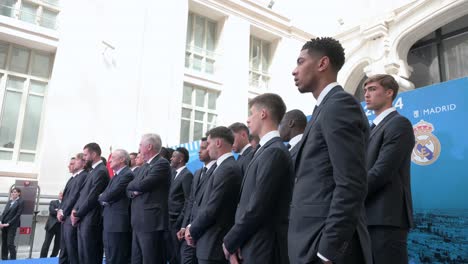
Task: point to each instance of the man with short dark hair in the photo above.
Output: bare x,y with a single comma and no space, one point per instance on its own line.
188,254
179,193
259,234
10,220
291,129
149,193
86,214
217,207
71,193
52,228
389,206
327,219
242,145
117,235
132,162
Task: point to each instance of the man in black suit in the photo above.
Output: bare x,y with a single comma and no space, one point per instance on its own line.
53,228
291,130
179,193
117,233
259,234
188,254
389,205
327,218
149,192
242,145
10,221
87,212
217,207
69,236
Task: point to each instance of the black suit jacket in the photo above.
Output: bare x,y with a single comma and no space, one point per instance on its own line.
217,210
245,159
116,204
179,195
87,206
72,192
260,229
12,213
389,201
149,209
328,200
196,194
52,220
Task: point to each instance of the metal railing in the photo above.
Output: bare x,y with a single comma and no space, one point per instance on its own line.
32,18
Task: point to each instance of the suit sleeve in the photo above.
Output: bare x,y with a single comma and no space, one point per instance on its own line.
269,174
346,135
187,210
52,206
100,181
207,216
158,173
398,140
186,187
118,190
17,216
67,206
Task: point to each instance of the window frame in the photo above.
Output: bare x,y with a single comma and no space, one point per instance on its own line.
259,86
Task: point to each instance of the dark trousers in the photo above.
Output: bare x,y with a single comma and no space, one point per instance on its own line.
8,242
389,244
148,247
69,244
201,261
173,245
90,248
55,231
187,254
117,246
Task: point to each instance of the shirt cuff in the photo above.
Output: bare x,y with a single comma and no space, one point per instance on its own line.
322,257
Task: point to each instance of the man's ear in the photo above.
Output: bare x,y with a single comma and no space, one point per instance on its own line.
291,123
263,114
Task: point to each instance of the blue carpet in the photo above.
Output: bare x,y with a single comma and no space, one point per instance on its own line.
33,261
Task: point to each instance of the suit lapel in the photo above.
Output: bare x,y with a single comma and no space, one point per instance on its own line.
383,123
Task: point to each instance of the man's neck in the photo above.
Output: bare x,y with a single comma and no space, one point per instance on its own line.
267,128
379,111
150,155
96,161
207,162
321,86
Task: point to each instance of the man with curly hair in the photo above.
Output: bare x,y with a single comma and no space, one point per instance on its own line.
327,217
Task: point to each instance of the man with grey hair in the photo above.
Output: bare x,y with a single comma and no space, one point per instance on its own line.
149,193
116,216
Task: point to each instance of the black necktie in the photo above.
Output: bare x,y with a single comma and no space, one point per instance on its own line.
288,146
203,172
372,126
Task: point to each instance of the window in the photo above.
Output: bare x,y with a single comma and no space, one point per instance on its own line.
200,44
259,63
198,112
359,93
40,12
24,75
440,56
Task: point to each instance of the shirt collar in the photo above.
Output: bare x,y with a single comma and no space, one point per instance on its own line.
325,91
223,158
180,169
117,172
73,176
295,140
244,148
382,115
208,166
149,161
95,164
268,136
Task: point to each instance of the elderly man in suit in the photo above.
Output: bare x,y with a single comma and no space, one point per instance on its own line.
389,205
217,207
149,193
188,254
116,211
327,218
291,130
259,234
179,194
87,212
242,145
53,228
10,221
71,193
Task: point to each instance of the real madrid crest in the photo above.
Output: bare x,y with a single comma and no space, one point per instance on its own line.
427,148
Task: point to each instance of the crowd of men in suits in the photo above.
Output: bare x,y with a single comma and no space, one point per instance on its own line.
337,192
